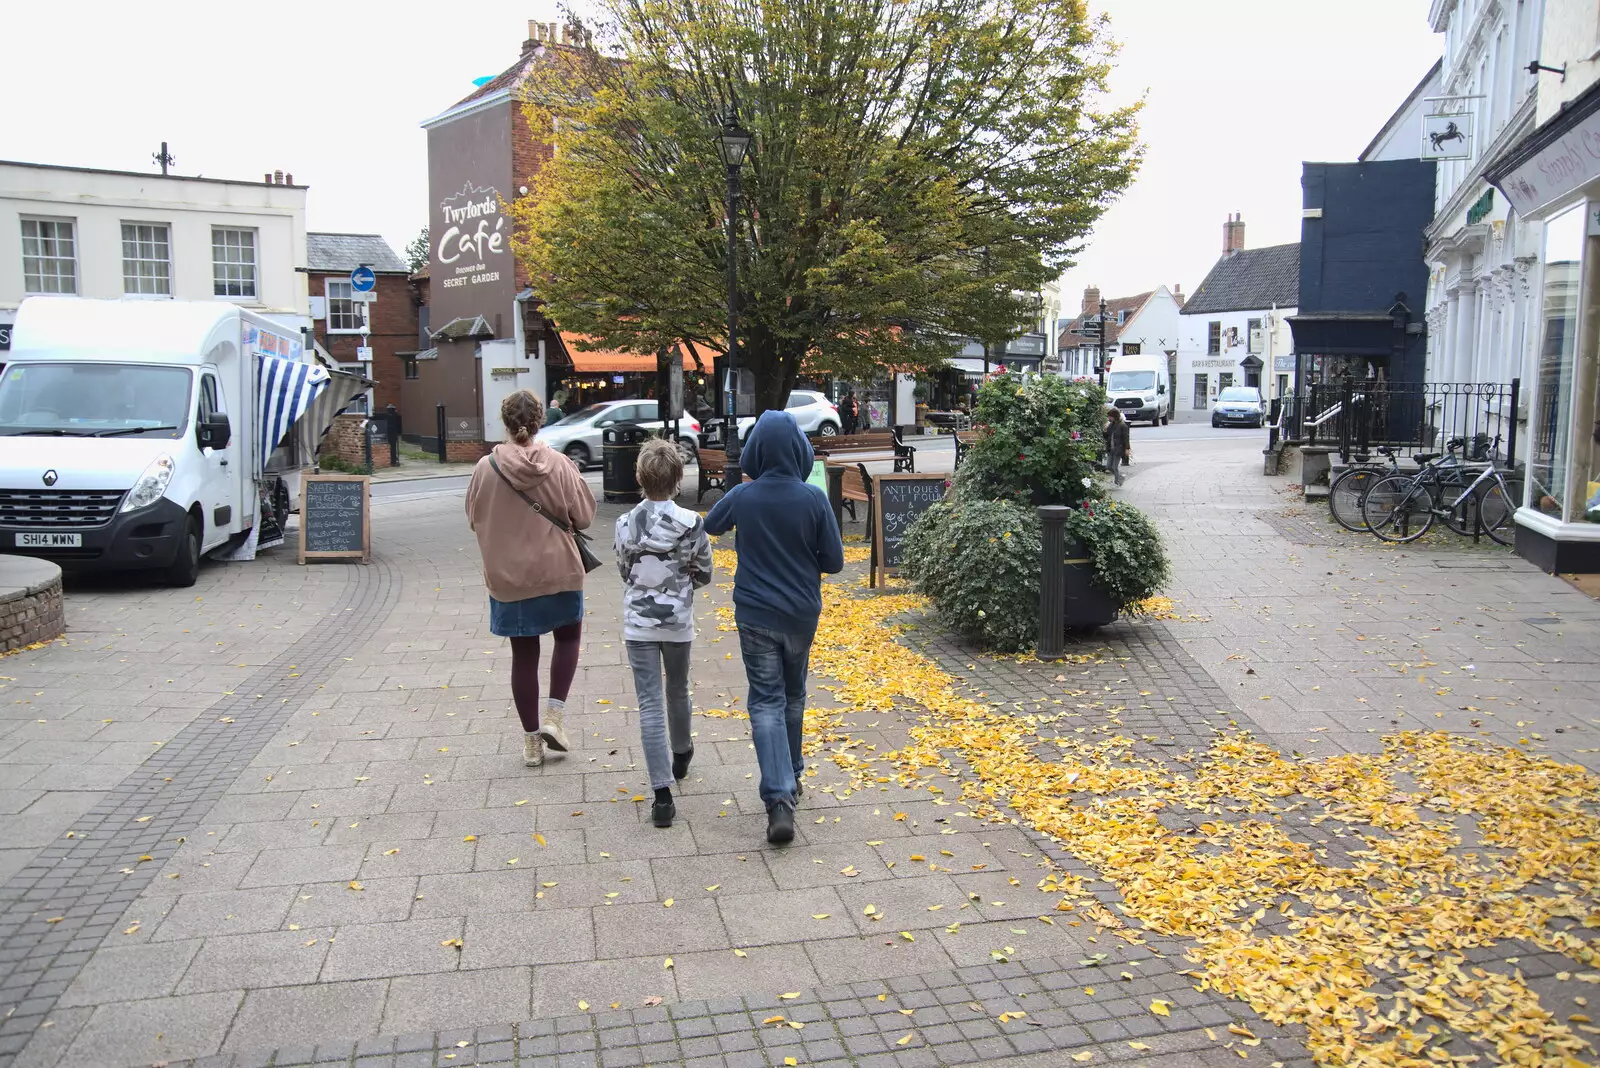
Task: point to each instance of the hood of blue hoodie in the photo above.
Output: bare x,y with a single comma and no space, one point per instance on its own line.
776,447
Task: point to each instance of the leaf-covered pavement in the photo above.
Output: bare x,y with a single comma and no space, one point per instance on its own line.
1443,846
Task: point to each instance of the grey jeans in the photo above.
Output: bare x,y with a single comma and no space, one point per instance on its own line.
1114,462
657,717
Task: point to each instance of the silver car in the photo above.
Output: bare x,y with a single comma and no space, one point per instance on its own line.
579,434
815,413
1239,406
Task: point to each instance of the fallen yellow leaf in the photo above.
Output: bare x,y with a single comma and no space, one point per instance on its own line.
1161,1008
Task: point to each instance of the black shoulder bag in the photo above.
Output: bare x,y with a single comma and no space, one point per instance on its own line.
586,555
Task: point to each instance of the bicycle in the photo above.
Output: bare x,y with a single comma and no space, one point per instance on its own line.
1402,508
1350,489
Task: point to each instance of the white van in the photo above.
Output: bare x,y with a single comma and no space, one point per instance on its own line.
141,435
1140,387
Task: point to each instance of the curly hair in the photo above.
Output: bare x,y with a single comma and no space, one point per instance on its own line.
660,469
523,415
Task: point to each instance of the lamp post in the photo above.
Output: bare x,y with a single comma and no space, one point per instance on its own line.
733,144
1100,369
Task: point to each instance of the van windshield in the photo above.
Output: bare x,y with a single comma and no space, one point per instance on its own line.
1131,381
94,400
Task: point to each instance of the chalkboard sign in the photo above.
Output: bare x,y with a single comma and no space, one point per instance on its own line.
897,501
335,518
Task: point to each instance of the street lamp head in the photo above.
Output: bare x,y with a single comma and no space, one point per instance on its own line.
733,141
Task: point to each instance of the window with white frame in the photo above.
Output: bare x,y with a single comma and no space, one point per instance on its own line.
146,260
345,314
49,256
233,262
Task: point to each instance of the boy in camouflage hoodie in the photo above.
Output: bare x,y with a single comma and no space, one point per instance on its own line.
664,555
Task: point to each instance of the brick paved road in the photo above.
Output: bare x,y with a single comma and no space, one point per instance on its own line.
381,753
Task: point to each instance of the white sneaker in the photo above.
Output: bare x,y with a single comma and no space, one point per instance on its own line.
551,730
532,750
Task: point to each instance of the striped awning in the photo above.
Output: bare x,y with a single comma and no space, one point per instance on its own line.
287,389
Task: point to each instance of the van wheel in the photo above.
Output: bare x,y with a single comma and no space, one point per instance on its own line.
185,568
1164,419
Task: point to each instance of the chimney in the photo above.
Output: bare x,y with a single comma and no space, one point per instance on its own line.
288,179
267,178
1233,235
277,177
1091,300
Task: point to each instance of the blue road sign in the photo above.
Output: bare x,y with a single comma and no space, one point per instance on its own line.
362,280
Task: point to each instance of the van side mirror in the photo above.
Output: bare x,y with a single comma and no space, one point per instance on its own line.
215,432
1162,388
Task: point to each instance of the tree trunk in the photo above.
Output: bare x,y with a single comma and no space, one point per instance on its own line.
775,368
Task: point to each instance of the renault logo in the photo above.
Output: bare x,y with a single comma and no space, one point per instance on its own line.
50,477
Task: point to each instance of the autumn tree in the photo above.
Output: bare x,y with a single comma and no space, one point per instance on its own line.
919,169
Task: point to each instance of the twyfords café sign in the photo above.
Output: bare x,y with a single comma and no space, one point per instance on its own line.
474,233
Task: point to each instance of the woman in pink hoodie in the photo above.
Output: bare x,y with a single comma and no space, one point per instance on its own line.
531,565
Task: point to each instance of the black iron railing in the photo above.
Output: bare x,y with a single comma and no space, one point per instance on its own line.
1355,417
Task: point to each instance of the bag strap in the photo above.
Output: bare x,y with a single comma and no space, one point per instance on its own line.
561,526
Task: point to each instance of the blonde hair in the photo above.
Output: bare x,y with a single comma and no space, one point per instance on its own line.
660,469
523,415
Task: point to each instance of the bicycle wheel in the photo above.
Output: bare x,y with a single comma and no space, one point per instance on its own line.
1398,508
1457,507
1347,493
1497,510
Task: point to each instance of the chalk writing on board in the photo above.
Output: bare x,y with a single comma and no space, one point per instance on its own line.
903,500
334,515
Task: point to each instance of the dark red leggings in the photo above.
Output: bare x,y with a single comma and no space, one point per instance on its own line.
525,671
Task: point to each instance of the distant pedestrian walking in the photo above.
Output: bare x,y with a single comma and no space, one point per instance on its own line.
664,556
531,564
787,539
1118,448
849,415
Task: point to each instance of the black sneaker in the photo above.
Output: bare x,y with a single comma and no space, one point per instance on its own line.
662,812
680,763
780,823
799,788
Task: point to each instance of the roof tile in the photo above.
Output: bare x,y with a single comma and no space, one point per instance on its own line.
1249,280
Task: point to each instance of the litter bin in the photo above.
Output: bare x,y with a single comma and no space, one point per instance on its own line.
620,452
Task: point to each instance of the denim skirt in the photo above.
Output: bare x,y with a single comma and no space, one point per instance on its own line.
535,615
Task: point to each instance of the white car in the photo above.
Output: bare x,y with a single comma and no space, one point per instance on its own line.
815,413
579,434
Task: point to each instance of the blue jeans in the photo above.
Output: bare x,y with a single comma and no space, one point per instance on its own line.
775,665
661,716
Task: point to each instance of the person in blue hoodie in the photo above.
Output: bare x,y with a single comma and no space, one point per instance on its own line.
788,539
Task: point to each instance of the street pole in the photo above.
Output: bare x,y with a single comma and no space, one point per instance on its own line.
733,142
1101,365
732,475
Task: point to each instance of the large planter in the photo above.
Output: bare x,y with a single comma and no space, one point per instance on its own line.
1088,607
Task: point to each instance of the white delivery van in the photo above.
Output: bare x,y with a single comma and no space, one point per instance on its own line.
1141,388
142,434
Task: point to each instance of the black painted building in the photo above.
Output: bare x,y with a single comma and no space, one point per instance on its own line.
1363,278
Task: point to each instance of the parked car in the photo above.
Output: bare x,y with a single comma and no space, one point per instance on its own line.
579,434
1239,406
815,413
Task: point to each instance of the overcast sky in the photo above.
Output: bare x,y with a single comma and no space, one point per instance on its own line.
1240,92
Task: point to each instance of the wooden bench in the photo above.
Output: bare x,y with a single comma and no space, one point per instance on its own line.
964,441
713,465
905,456
848,484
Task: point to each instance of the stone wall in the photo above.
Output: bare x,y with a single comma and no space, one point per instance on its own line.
31,608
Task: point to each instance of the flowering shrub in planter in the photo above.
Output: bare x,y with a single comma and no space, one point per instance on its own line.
976,555
978,561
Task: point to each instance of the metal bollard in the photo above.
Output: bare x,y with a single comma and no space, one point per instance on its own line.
1052,581
439,409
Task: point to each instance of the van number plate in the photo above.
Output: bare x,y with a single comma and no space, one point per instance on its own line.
42,540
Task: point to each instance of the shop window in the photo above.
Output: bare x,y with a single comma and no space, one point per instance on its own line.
1253,335
49,256
1199,392
1214,339
410,369
1558,342
1225,379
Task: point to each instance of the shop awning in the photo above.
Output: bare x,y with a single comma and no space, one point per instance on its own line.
605,361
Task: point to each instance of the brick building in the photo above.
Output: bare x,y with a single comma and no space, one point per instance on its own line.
390,319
